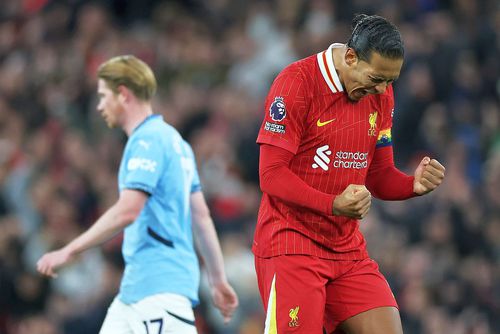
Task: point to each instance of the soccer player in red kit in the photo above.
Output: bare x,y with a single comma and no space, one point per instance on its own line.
325,149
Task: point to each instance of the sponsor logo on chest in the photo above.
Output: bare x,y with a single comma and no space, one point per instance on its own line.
341,159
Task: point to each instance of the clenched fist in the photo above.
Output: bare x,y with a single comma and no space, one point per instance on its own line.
428,176
354,202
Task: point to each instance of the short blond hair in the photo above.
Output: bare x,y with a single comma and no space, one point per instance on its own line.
131,72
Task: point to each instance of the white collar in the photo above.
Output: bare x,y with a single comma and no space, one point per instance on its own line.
327,67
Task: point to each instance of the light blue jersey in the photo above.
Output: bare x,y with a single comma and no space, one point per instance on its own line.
158,246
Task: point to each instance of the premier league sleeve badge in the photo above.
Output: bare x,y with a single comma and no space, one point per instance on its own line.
277,110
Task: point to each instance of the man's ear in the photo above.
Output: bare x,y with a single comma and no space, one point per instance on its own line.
123,94
351,57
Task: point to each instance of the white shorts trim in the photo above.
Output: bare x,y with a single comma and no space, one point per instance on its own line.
165,313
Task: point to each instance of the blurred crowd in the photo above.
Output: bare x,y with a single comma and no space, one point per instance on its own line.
215,60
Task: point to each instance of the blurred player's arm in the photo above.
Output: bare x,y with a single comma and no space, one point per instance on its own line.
386,182
114,220
207,242
276,179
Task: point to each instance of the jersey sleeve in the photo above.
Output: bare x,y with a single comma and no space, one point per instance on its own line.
384,180
144,164
276,179
285,111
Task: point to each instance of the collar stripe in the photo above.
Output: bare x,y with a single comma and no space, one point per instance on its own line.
327,67
328,71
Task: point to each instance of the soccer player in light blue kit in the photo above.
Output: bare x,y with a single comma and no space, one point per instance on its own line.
160,207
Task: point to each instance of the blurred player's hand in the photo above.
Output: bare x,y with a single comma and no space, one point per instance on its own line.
225,299
48,264
428,176
354,202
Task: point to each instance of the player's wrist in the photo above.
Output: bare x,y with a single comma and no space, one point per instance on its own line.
217,280
418,188
335,211
69,251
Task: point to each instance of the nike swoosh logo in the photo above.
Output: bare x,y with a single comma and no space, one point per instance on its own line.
320,124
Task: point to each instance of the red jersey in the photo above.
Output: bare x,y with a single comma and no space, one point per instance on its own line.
334,140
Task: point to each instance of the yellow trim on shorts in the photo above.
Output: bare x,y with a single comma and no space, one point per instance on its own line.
271,327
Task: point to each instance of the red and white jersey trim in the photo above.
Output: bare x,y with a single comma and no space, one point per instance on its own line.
327,67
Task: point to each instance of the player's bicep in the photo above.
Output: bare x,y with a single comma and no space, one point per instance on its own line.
195,182
382,158
198,204
130,204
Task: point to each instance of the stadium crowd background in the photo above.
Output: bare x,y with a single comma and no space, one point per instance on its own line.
215,60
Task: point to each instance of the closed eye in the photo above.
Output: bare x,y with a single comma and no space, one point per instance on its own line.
376,80
380,80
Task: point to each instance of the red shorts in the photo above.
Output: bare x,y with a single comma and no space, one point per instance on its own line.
307,294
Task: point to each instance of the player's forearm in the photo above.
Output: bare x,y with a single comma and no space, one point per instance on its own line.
206,239
385,181
108,225
282,183
390,184
277,180
209,248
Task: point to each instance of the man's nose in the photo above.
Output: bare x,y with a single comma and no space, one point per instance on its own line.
381,87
